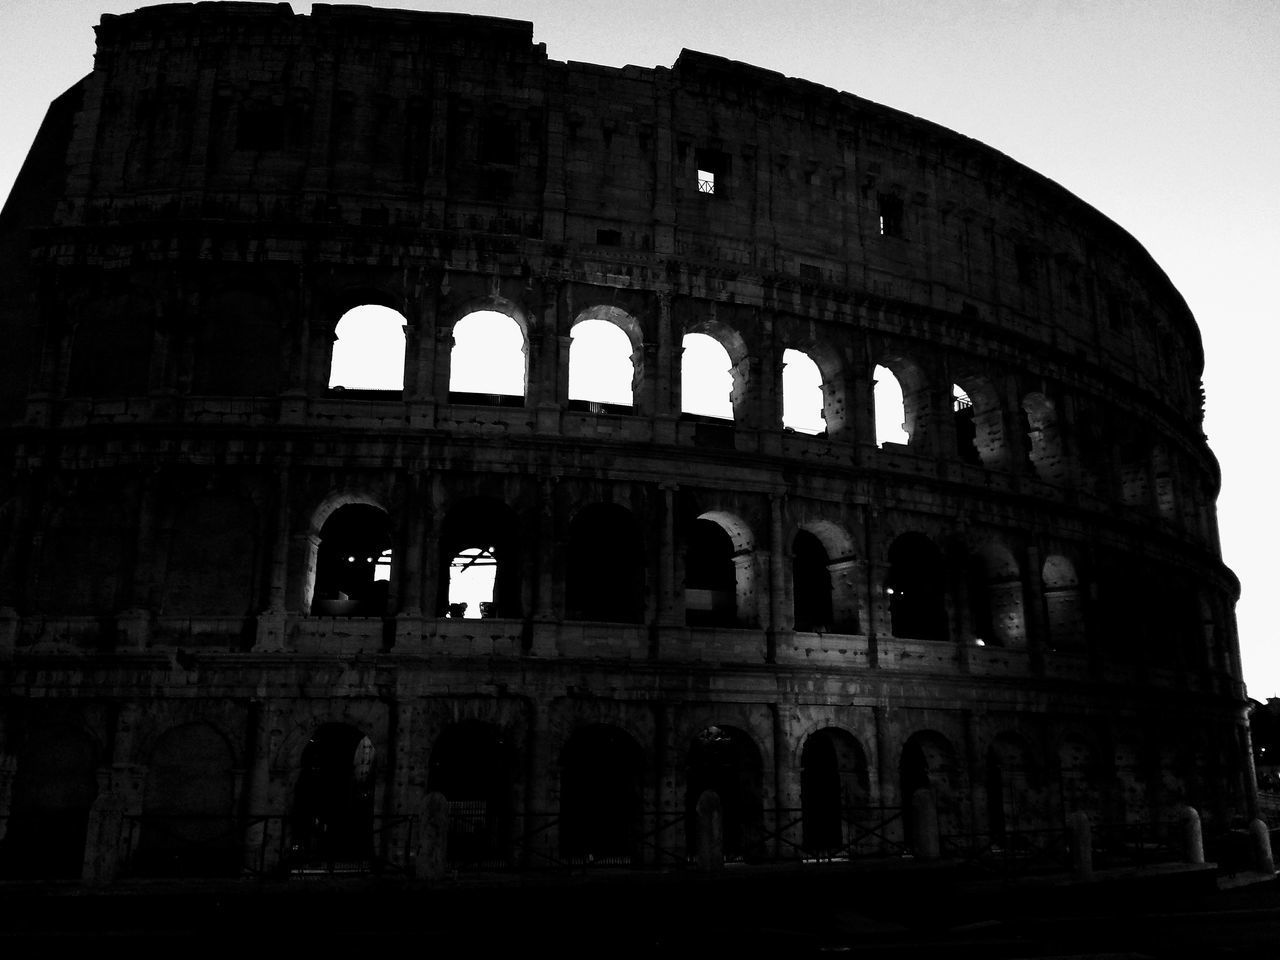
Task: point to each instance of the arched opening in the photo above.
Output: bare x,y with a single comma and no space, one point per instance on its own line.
1010,782
1080,778
891,417
111,351
605,566
238,346
473,766
802,400
914,583
368,352
211,558
928,763
53,790
725,760
601,372
995,598
833,785
601,772
333,801
711,575
811,583
353,563
1063,610
966,432
480,562
1044,439
90,536
487,364
706,377
188,817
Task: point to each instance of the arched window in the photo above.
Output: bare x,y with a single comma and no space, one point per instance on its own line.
605,566
53,790
601,373
1012,783
353,563
890,411
802,402
601,775
111,350
1044,441
1062,604
811,588
915,588
479,561
966,432
368,353
706,380
995,598
487,364
928,762
726,761
710,576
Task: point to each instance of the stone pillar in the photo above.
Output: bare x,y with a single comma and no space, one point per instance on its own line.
105,841
670,597
432,855
271,621
710,852
781,614
1260,840
1192,838
135,620
667,402
264,832
1081,845
925,841
1034,611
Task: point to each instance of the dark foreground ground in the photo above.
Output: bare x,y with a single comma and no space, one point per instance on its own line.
813,911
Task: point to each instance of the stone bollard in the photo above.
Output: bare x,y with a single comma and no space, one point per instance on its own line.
710,851
1081,845
432,855
1192,838
104,839
925,842
1261,837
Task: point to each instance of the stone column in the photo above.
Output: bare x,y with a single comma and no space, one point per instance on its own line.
135,620
667,402
781,614
670,598
271,621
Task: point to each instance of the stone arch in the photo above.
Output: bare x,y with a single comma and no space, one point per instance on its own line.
908,393
735,348
489,359
368,350
212,557
720,575
333,796
803,394
1064,609
605,568
239,345
591,392
111,348
1045,450
601,795
93,535
833,783
481,531
54,788
995,597
928,762
1013,784
979,423
726,760
188,812
915,585
473,764
352,572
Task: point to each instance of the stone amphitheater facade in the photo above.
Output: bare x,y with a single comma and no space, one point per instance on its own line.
1020,608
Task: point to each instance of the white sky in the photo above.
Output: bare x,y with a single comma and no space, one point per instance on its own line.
1163,114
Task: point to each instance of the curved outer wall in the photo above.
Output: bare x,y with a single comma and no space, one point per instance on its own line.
199,211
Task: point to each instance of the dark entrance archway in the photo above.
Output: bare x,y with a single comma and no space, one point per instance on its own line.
333,806
833,783
726,760
601,770
53,791
472,764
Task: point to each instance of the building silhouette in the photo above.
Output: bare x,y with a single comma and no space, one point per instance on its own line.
244,480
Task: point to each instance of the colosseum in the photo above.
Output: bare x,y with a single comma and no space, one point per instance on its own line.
420,454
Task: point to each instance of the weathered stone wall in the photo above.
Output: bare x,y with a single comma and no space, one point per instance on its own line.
234,178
